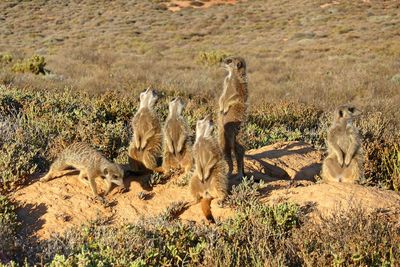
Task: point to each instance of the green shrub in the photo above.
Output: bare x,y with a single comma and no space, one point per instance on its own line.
350,237
8,227
211,58
5,59
395,79
36,65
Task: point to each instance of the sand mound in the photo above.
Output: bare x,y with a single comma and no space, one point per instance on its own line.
64,202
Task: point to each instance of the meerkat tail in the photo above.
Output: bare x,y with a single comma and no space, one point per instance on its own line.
57,165
206,208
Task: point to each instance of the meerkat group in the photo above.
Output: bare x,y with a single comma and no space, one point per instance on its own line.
209,160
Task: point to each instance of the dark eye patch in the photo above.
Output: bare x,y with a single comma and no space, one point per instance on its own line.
228,61
351,109
340,113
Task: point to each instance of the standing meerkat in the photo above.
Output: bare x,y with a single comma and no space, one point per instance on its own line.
90,163
232,111
177,150
209,180
145,146
344,162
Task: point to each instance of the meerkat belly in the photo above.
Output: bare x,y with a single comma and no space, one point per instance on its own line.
343,143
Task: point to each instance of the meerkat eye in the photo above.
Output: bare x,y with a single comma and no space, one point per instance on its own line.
351,109
228,61
239,65
340,113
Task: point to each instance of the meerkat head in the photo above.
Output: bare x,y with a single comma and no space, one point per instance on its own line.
114,173
346,113
148,98
204,127
235,64
176,106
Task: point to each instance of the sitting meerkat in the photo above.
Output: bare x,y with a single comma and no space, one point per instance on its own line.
232,112
145,146
90,163
344,162
177,150
209,180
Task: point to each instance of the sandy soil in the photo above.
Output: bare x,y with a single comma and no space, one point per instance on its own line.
176,5
288,168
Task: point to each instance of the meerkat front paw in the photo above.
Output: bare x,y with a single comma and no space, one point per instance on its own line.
340,161
347,160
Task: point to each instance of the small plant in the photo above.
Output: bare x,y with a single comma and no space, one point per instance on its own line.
395,79
174,210
36,65
212,57
245,194
156,178
183,180
5,59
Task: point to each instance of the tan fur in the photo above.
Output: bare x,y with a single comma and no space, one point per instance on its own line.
209,180
145,146
90,163
177,152
344,162
232,111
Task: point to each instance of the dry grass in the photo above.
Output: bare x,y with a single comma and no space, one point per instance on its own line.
296,50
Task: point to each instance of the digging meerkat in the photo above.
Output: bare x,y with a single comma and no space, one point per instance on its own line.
90,163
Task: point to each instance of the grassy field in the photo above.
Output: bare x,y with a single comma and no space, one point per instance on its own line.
72,71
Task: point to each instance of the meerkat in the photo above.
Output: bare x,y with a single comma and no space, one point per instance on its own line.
176,150
344,162
145,146
91,165
209,180
232,112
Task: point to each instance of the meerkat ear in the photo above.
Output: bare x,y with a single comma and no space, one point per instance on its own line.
105,171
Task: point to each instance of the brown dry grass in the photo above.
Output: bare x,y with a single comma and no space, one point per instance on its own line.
296,50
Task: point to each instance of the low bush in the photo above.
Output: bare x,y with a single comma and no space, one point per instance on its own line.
8,228
211,58
36,65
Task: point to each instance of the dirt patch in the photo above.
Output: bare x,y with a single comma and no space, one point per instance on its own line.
178,5
289,169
